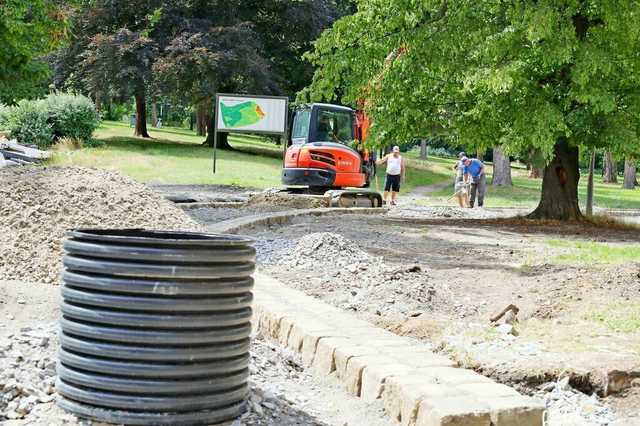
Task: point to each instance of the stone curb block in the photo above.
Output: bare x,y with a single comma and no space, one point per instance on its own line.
417,387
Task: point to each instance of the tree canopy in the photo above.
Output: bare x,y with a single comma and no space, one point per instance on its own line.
28,31
544,75
193,49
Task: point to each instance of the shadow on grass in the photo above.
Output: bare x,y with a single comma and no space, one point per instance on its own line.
164,147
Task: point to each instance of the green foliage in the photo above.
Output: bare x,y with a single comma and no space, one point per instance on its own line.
520,74
28,30
28,123
41,122
71,116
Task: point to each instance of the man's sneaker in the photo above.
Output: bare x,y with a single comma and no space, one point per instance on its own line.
384,203
393,203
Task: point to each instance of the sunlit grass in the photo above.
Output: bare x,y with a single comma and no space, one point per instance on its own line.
619,317
593,253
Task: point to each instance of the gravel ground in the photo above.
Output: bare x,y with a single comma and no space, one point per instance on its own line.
211,215
352,279
282,391
37,206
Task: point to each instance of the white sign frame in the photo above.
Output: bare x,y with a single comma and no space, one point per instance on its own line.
217,119
244,98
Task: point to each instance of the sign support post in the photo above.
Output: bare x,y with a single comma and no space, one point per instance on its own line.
250,114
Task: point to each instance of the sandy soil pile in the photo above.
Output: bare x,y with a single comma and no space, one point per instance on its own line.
353,279
283,199
37,206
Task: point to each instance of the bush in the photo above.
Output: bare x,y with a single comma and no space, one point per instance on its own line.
28,123
4,116
72,116
41,122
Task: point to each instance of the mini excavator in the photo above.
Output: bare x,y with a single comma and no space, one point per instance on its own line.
326,155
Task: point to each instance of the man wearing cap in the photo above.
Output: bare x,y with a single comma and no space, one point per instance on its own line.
474,169
395,172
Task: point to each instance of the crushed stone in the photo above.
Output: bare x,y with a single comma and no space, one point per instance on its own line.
37,206
282,393
352,279
569,407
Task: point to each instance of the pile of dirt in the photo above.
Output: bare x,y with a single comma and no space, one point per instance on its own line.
271,197
353,279
37,206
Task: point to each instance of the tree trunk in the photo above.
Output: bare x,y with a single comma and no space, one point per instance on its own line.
141,116
610,169
202,118
479,154
423,149
559,197
223,137
629,173
535,163
501,168
592,165
154,114
98,102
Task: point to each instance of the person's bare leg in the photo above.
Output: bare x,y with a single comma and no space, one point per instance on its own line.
460,201
394,196
384,196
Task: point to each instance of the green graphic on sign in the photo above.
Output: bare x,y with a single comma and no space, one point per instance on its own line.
240,115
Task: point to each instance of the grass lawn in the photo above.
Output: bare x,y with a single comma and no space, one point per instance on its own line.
176,155
526,191
593,253
173,156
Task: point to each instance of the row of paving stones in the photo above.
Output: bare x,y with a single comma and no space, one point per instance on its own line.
417,386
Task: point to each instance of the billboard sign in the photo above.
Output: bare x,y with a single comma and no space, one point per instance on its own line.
251,114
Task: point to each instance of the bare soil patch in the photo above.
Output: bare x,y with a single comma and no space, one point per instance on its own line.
475,268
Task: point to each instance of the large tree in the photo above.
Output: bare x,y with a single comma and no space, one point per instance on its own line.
121,63
253,46
549,75
111,52
28,31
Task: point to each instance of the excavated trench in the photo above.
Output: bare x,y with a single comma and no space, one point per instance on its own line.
447,276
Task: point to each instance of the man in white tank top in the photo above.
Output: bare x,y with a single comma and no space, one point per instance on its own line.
395,172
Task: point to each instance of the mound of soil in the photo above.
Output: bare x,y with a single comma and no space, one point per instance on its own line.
284,199
37,206
353,279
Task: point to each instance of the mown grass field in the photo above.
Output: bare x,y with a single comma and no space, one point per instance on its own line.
176,155
173,156
525,191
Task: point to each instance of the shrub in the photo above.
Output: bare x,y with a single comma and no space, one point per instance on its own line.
4,116
28,123
71,116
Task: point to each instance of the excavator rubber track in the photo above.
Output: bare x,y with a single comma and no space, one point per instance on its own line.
353,198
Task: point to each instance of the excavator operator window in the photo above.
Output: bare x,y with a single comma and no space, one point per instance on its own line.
300,130
335,126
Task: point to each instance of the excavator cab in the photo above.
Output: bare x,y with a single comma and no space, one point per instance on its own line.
326,150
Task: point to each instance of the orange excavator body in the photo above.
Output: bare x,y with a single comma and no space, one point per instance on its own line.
327,149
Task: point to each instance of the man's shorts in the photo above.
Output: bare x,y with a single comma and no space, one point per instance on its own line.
392,183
